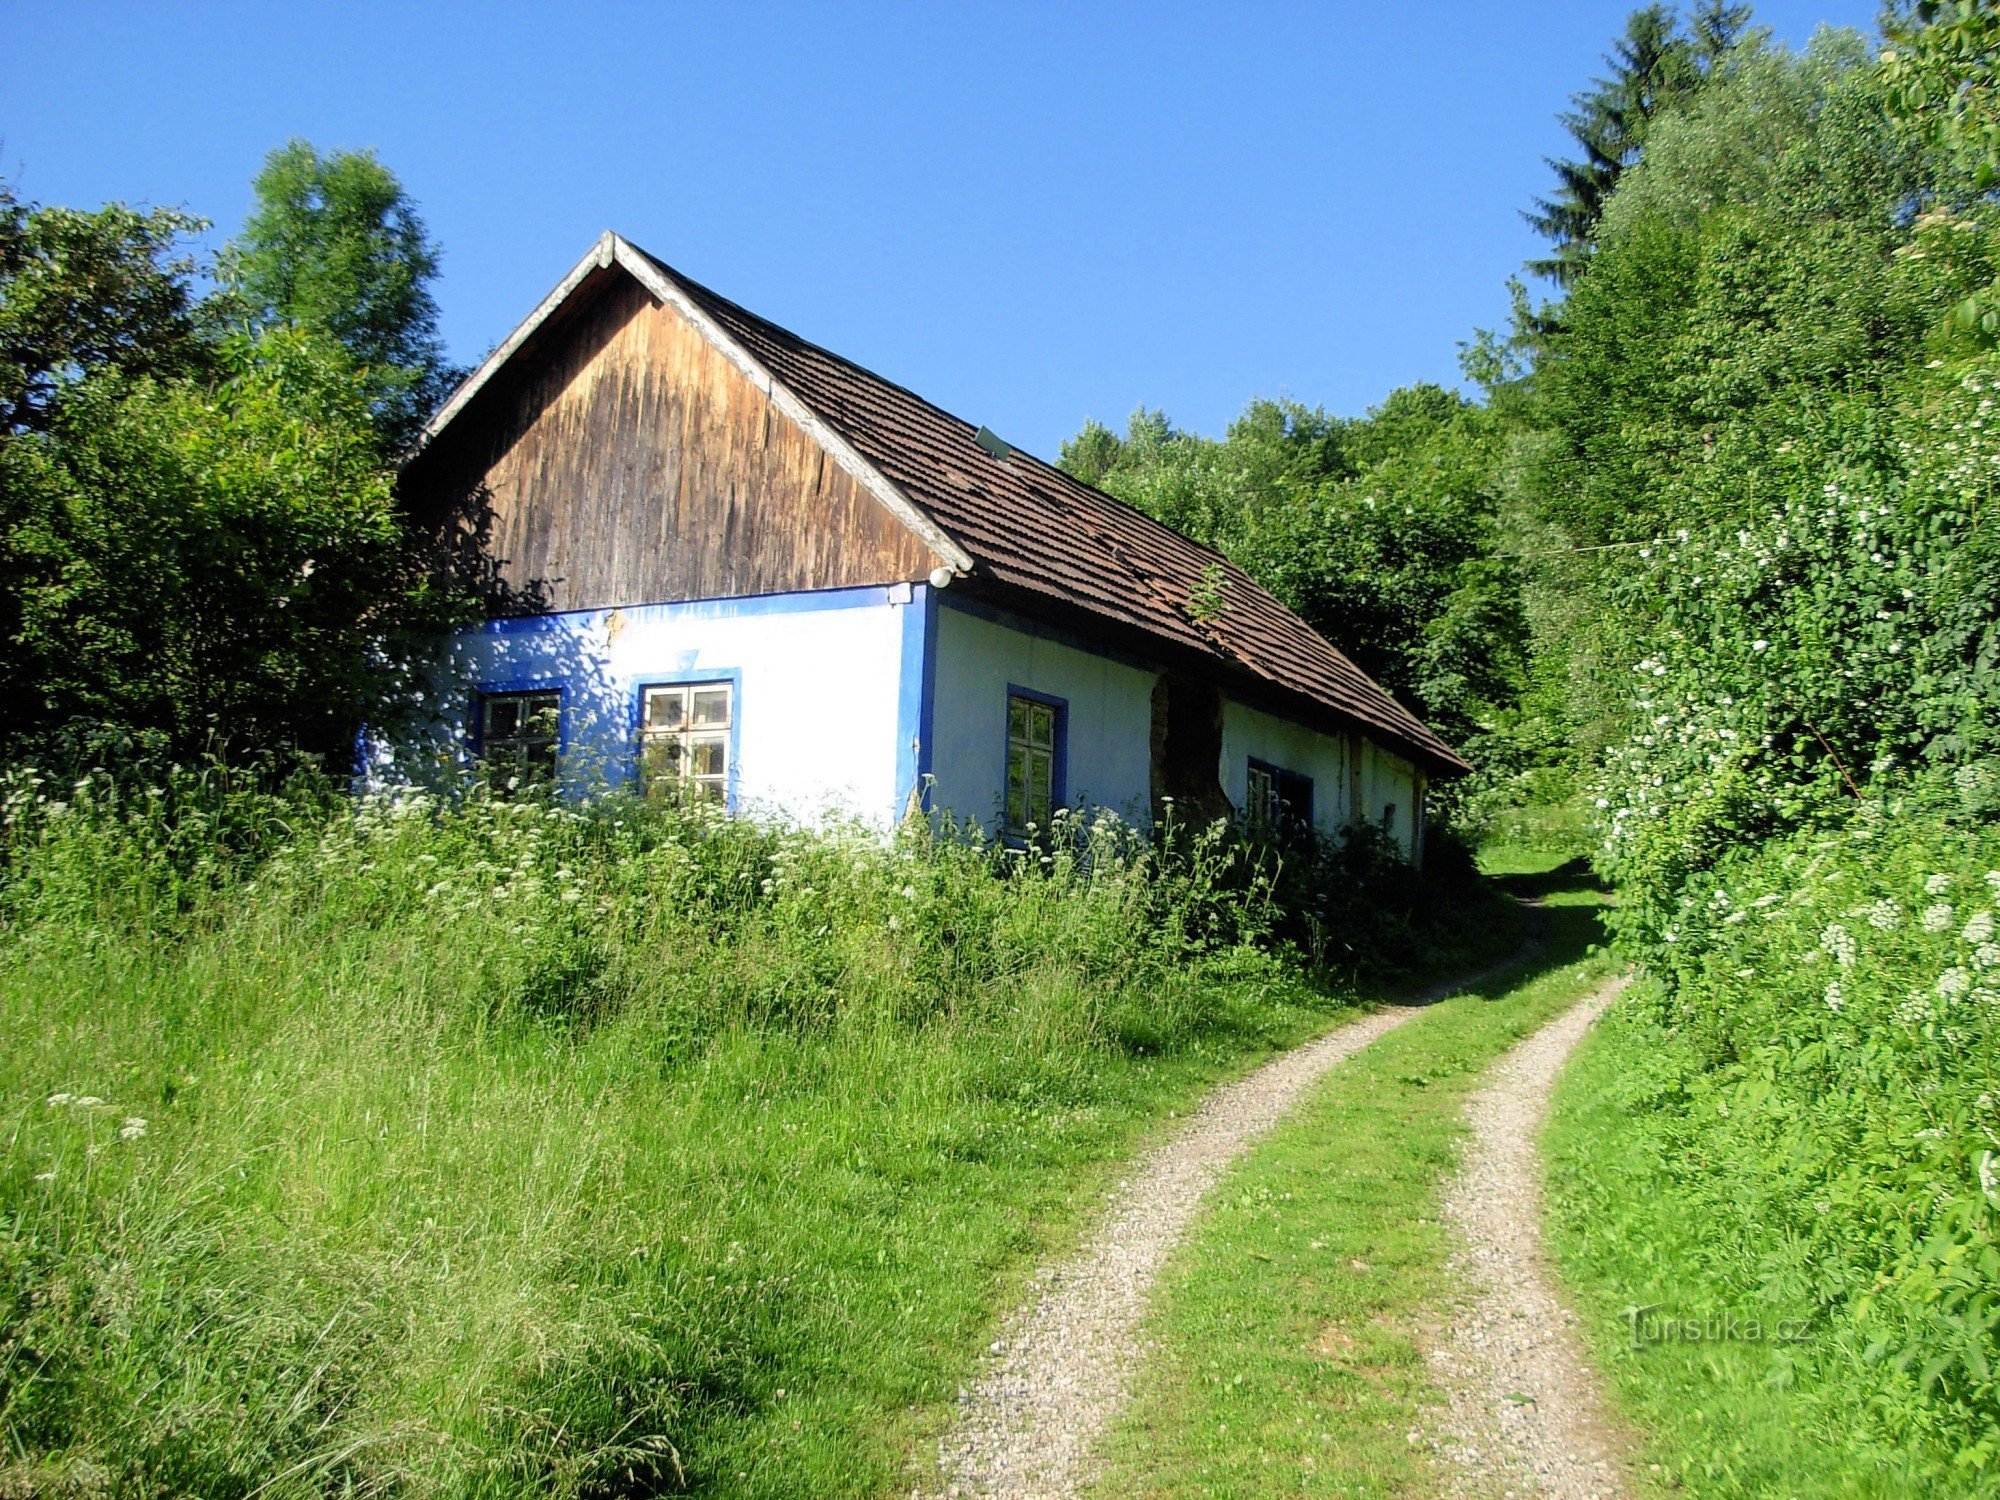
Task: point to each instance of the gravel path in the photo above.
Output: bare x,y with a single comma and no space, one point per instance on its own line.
1058,1372
1523,1414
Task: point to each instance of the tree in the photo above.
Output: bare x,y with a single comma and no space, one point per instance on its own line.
1653,66
206,567
336,246
86,291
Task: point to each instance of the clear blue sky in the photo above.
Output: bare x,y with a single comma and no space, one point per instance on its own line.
1031,214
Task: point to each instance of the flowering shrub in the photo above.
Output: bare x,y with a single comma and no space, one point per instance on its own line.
1818,1062
1849,632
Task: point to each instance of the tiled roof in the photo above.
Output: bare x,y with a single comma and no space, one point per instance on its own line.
1033,528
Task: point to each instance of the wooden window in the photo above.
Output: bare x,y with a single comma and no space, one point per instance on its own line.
1034,760
519,735
684,738
1279,799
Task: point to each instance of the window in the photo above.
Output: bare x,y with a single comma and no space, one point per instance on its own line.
1279,799
1034,759
519,734
684,738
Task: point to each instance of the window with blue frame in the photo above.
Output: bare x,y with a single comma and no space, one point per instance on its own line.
519,736
1279,799
684,739
1035,746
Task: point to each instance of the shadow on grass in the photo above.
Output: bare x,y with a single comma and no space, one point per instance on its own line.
1563,920
1573,877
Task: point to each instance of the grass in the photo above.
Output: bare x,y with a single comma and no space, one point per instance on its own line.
1720,1415
1288,1332
1783,1144
518,1151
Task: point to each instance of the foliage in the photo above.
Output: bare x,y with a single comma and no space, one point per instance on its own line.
1654,66
213,565
1943,73
199,551
502,1147
1850,635
1759,414
1801,1123
89,291
336,246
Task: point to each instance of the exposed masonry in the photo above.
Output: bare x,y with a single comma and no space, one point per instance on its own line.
1059,1371
1523,1414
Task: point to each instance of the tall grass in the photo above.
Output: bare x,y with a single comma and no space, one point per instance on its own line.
512,1148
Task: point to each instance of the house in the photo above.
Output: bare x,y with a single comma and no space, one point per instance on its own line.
780,580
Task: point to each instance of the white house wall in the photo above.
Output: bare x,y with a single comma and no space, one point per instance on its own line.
1110,709
1248,733
830,717
826,704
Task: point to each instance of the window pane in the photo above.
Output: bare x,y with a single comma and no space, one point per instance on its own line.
666,708
503,717
1041,787
662,758
710,755
1017,787
710,791
541,716
1041,724
1017,718
711,707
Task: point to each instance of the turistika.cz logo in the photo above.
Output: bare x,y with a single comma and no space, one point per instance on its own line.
1649,1325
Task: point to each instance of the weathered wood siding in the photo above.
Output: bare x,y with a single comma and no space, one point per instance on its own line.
636,464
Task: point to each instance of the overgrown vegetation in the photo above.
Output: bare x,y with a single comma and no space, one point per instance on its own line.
199,550
508,1147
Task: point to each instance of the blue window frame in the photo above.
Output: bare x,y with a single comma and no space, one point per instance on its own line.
688,734
1037,770
1279,799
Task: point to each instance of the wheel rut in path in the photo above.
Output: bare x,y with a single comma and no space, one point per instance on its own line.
1523,1413
1058,1372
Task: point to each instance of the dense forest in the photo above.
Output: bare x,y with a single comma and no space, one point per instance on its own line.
1700,567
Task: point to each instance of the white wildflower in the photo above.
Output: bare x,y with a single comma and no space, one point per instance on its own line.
909,893
1839,942
132,1129
1993,880
57,1101
1936,885
1884,915
1986,956
1937,918
1835,997
87,1101
1954,982
1979,927
1989,1178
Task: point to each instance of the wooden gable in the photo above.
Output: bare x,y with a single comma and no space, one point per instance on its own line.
628,460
